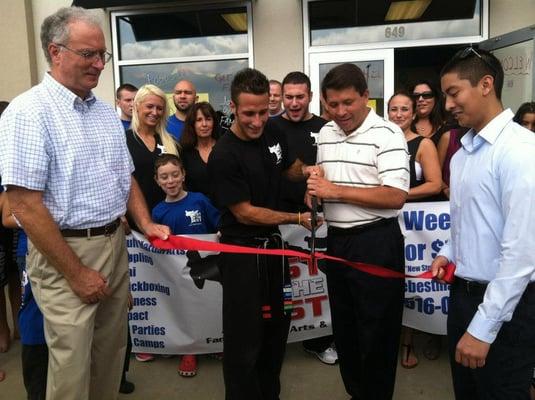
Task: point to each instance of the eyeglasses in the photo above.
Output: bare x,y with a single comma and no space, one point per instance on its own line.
423,95
471,51
90,55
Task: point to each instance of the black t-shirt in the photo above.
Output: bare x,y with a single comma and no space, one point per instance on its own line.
247,171
197,178
144,160
301,138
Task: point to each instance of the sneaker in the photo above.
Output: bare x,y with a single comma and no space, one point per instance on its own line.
328,356
144,357
188,365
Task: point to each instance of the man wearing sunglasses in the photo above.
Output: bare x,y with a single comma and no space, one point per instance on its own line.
491,322
68,174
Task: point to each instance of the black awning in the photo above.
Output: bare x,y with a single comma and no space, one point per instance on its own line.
115,3
331,14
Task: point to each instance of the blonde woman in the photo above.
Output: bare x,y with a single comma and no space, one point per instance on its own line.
147,139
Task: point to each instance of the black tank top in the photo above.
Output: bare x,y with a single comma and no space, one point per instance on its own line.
413,146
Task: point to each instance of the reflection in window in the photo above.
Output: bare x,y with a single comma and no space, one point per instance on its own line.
183,34
374,73
335,22
211,78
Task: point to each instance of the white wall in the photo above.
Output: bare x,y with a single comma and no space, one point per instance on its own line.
278,37
510,15
17,63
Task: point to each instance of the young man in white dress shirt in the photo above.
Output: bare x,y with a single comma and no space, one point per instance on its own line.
491,321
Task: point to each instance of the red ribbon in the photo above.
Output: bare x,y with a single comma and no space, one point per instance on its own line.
188,243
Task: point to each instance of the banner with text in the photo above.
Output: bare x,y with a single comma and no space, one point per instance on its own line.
177,311
426,227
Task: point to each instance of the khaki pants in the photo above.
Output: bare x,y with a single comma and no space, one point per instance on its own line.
86,343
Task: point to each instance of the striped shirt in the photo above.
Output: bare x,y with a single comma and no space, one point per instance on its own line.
72,150
373,155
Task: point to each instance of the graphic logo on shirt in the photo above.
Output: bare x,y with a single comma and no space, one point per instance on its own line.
277,150
315,137
161,148
194,216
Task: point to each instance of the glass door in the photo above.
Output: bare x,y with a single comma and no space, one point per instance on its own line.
377,66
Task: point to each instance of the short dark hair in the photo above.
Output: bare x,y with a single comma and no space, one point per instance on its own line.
296,78
525,108
188,139
125,86
473,65
167,158
248,80
344,76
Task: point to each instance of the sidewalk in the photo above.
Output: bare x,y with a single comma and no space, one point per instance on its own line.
303,377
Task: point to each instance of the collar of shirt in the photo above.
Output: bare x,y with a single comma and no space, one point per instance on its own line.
472,141
371,120
66,96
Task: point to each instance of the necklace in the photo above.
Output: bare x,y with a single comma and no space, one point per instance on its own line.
424,130
149,144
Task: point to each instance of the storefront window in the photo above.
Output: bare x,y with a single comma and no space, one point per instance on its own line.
343,22
164,46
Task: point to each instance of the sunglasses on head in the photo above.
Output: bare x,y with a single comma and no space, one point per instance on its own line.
423,95
471,51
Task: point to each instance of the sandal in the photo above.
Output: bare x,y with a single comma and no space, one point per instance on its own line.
406,351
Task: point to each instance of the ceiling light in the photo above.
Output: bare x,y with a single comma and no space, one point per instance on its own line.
237,21
402,10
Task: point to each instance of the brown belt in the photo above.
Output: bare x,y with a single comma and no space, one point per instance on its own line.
106,230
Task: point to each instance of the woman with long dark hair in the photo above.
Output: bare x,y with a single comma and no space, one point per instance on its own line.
198,139
429,119
525,116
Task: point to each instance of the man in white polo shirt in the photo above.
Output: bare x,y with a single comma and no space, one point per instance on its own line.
366,179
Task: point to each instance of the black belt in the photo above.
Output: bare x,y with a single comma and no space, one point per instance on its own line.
106,230
334,230
256,241
477,288
470,287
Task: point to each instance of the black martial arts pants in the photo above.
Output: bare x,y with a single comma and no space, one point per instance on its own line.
253,346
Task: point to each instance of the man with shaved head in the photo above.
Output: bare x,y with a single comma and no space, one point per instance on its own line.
184,97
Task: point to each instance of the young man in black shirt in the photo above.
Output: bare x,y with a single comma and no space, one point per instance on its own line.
301,129
246,165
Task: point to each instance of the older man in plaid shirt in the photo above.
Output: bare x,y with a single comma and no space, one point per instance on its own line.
67,171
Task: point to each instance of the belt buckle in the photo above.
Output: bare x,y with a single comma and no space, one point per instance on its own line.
108,229
468,284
